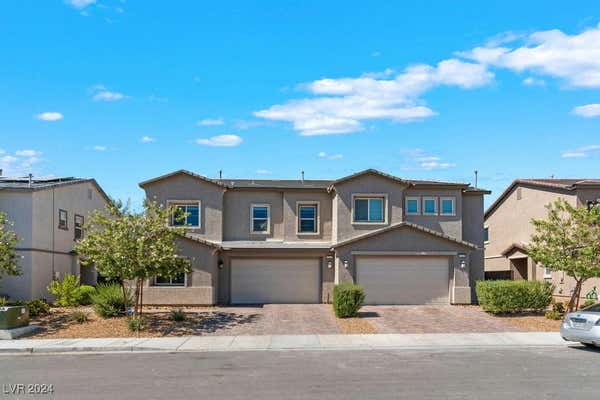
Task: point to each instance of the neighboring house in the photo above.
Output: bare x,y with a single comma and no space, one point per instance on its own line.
290,241
48,216
508,228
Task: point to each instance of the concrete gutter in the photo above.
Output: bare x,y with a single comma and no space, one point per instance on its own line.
285,342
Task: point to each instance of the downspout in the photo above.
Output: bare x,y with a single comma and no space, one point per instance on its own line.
52,229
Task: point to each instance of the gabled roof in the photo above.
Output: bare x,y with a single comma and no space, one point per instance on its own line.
365,172
515,246
405,225
181,172
27,184
277,183
548,184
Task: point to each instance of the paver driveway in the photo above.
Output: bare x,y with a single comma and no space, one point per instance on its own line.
270,319
433,319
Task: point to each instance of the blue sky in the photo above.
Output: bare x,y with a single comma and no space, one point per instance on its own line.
123,91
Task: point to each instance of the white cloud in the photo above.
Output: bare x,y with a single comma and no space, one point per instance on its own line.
50,116
2,151
572,58
80,4
375,54
531,81
328,156
99,148
147,139
108,96
248,124
210,122
582,152
263,171
8,159
227,140
341,105
418,159
587,111
28,153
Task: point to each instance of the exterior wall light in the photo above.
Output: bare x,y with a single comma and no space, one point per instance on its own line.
329,264
220,264
346,264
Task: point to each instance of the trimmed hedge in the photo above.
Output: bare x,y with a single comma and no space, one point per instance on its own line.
513,296
347,299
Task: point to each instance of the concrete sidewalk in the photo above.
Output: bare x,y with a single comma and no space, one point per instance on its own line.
285,342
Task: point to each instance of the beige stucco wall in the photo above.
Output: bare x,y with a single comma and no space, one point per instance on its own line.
187,188
290,215
366,184
450,225
511,222
236,215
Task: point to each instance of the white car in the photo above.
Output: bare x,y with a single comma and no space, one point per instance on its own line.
582,326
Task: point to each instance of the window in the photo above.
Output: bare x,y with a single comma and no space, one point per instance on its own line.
429,206
260,215
186,214
307,218
447,206
78,225
63,220
369,209
176,280
486,234
547,273
412,206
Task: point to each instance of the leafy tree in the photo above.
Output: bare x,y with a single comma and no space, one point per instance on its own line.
568,240
8,251
133,246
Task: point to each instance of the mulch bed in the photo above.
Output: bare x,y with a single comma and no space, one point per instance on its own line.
531,322
57,324
355,326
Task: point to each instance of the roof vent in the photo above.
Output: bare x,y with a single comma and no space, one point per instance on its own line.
302,175
30,179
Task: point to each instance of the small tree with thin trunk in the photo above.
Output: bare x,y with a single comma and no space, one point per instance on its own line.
132,247
568,240
8,248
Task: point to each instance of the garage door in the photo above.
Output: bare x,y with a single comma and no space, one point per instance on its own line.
256,281
404,280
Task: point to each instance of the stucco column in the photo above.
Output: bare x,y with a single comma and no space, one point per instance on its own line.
461,291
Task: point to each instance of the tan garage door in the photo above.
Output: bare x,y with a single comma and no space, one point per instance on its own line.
404,279
257,281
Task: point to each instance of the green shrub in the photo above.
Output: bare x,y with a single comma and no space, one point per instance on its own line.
558,307
347,300
108,300
85,294
588,302
553,315
79,316
177,315
136,324
513,296
66,291
37,307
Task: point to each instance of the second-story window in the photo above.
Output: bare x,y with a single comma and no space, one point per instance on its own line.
186,214
369,209
260,215
78,226
447,206
307,218
412,206
486,234
63,218
429,206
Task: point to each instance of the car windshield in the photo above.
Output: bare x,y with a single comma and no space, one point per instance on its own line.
593,308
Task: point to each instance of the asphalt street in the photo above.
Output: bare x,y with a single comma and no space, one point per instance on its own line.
493,373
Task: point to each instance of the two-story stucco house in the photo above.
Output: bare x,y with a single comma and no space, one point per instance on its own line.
48,216
291,241
508,228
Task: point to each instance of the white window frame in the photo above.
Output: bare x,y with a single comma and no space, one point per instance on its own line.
411,198
382,196
435,202
317,217
453,200
64,227
185,203
547,273
75,228
268,231
171,285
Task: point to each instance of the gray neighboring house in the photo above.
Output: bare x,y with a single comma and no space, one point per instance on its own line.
290,241
508,228
48,214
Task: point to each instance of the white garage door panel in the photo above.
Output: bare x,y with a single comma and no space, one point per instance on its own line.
255,281
404,280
